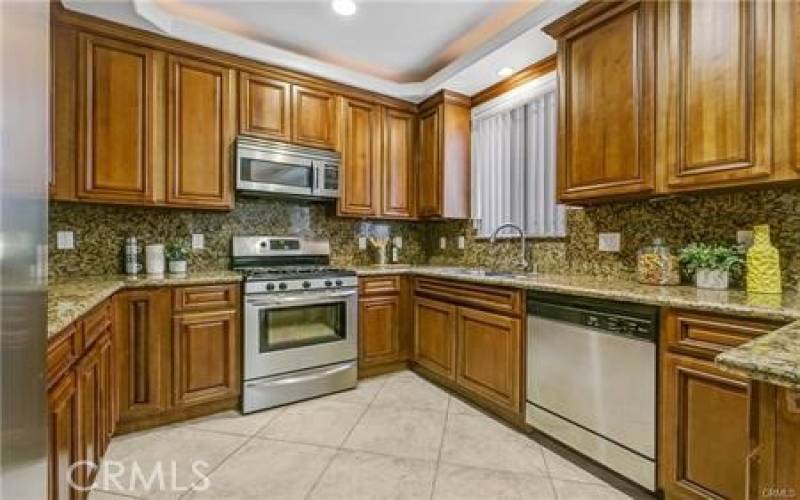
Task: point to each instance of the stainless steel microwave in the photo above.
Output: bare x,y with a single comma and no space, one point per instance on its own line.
277,169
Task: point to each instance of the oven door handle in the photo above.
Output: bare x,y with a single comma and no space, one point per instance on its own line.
296,379
298,299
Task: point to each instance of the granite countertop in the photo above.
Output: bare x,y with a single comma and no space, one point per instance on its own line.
70,298
774,357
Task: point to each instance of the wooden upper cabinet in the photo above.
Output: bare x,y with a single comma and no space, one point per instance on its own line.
314,117
444,164
715,89
398,173
116,148
361,157
200,113
786,107
429,201
264,107
606,143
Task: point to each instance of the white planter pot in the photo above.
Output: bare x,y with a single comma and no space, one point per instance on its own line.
177,266
711,278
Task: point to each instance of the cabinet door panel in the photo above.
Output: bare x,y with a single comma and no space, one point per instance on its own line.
62,405
200,121
205,357
107,393
91,426
707,430
264,107
142,341
314,120
716,93
116,113
429,199
379,325
398,179
606,142
435,336
361,158
489,350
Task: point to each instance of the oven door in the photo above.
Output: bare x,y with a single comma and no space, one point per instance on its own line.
290,332
261,171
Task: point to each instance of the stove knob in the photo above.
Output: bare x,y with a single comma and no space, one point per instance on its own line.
338,282
282,286
306,284
328,283
270,286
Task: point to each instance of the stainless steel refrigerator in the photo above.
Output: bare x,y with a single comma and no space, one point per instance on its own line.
24,43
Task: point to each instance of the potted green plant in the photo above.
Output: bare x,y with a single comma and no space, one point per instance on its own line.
177,253
712,265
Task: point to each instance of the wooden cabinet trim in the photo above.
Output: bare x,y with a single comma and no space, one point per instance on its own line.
491,298
96,323
379,285
205,297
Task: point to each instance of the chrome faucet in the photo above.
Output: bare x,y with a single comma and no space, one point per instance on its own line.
523,261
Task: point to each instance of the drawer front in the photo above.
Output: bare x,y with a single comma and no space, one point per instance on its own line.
495,299
206,297
62,352
706,335
96,323
379,285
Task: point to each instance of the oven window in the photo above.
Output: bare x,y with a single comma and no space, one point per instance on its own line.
299,326
282,174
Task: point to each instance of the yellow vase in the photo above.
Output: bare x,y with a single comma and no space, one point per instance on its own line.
763,264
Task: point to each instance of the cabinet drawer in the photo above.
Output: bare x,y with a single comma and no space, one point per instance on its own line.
495,299
706,335
62,352
95,323
202,298
379,285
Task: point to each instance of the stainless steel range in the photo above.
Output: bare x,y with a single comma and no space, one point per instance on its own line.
300,320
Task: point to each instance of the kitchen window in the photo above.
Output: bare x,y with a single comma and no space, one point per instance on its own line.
514,161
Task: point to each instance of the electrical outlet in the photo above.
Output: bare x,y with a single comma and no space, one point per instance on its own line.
462,243
744,237
65,240
608,242
442,243
198,241
397,242
362,242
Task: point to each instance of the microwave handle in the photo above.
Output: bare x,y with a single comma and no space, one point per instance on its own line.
318,172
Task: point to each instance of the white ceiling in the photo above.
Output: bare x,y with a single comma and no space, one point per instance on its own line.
404,48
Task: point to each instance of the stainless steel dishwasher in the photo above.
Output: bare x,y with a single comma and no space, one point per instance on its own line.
592,379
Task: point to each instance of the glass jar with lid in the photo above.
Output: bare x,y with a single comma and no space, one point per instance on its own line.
657,265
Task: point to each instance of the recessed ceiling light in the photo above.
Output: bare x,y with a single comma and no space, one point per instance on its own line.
344,7
504,72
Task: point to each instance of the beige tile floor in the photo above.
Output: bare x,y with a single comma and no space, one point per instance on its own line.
395,436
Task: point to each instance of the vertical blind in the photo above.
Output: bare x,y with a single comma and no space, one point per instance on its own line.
513,162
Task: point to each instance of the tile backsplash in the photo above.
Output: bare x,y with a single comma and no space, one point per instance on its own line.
100,231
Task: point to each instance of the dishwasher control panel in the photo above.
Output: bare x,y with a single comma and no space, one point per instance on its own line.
632,327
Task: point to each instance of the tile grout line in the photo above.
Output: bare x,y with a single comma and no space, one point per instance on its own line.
441,445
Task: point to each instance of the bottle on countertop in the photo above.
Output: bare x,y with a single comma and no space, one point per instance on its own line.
132,250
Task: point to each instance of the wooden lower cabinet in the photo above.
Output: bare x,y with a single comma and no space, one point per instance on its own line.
62,402
379,323
142,337
489,356
435,336
708,430
205,357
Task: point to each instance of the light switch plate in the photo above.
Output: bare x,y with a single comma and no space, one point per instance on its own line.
65,240
198,241
397,242
462,242
362,242
744,237
609,242
442,243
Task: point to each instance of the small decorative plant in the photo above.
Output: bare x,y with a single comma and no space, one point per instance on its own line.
712,264
177,252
